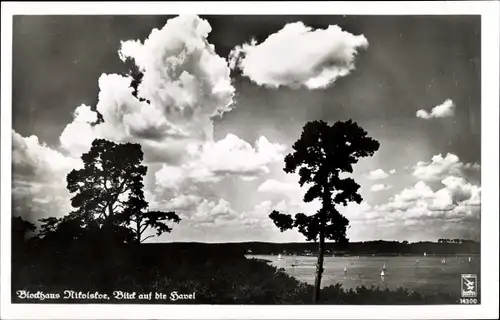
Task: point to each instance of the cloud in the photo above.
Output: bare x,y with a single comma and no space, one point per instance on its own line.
216,221
457,192
185,81
213,161
35,161
403,200
235,156
392,171
212,212
182,72
39,179
377,174
298,55
78,135
380,187
180,202
440,167
458,200
418,213
446,109
35,200
280,188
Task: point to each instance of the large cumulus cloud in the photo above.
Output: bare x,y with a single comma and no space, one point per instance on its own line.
184,84
298,55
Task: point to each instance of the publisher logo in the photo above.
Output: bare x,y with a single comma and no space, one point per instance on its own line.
469,285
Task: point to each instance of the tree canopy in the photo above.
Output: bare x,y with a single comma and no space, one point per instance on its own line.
108,192
321,155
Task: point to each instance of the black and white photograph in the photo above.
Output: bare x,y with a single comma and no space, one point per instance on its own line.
199,157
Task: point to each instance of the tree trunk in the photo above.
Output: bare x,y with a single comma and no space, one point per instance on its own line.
319,267
321,247
138,230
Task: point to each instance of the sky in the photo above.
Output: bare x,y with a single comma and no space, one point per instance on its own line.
229,95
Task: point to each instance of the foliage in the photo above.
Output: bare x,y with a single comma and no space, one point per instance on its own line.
21,227
321,155
109,192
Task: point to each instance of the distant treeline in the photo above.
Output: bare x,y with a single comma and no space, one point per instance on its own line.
379,247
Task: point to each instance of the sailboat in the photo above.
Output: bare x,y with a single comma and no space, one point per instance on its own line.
295,262
425,254
470,259
382,274
280,256
383,267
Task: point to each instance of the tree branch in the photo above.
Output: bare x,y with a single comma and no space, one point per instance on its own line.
150,236
145,227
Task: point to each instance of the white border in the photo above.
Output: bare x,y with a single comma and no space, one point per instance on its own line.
489,10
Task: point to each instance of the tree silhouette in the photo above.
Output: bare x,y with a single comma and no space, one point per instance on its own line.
20,229
320,155
109,191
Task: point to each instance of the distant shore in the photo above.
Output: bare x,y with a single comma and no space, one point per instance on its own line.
368,248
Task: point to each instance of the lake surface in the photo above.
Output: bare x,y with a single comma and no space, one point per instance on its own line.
429,275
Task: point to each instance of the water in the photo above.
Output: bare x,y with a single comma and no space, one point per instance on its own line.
429,275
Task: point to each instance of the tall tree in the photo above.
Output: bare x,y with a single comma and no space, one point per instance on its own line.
109,190
320,155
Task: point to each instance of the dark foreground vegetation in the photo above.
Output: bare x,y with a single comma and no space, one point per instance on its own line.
217,273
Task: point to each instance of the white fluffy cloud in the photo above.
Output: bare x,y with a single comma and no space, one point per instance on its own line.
418,213
380,187
183,75
184,80
377,174
440,167
77,136
212,212
213,161
446,109
455,205
298,55
39,179
35,161
278,187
